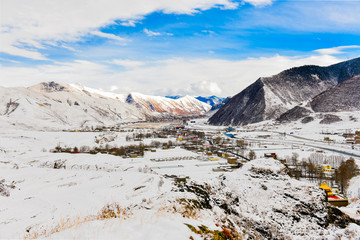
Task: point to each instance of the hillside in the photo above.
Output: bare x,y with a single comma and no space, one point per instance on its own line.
269,97
344,97
182,106
51,105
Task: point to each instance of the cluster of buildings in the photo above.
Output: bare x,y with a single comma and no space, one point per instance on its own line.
352,138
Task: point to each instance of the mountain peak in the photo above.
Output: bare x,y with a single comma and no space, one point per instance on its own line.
50,87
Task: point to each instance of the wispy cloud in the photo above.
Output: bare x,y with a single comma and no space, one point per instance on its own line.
294,16
59,20
152,33
193,76
108,35
127,63
131,22
336,50
259,3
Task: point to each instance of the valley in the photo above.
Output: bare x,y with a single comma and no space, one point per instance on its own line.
77,162
58,171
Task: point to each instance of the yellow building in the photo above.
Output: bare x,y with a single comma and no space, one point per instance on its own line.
327,168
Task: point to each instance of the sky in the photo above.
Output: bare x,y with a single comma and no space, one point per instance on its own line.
171,47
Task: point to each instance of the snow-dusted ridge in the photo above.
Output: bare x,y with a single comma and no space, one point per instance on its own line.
186,105
269,97
61,106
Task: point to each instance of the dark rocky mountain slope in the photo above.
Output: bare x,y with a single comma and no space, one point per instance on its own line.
344,97
269,97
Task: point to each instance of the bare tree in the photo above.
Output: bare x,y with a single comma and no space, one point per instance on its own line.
294,158
252,155
345,172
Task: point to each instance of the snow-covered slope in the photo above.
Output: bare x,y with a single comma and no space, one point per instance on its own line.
211,100
269,97
57,106
186,105
177,106
344,97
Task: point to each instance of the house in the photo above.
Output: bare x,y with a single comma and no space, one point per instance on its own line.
232,160
333,197
348,135
230,129
270,155
327,169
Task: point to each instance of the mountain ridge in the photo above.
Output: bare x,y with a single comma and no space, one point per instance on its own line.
269,97
51,105
343,97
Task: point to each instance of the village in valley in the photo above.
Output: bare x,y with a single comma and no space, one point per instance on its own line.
132,165
189,143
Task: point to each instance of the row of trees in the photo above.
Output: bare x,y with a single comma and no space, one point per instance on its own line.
117,151
314,172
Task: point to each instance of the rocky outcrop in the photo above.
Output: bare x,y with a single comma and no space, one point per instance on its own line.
294,114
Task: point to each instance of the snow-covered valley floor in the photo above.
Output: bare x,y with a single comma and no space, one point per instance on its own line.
107,197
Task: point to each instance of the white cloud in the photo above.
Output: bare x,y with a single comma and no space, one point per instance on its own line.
259,3
205,87
127,63
10,46
170,76
107,35
69,48
8,60
114,88
151,33
208,32
335,50
131,22
67,20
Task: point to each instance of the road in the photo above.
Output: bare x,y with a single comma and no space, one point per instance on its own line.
305,143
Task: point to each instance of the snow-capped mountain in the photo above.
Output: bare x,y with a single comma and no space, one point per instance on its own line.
57,106
53,105
187,105
269,97
211,100
220,104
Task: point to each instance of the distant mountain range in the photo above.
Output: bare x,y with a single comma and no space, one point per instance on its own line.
292,95
270,97
211,100
219,105
183,106
55,105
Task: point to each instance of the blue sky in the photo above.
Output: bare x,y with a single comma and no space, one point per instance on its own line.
193,47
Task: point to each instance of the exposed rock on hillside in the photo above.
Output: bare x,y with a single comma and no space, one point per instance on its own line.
294,114
262,201
329,118
244,108
343,97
